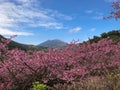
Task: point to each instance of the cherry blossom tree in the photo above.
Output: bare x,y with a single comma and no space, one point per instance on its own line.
18,68
116,10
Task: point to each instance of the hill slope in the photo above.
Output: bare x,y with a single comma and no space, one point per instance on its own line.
14,44
114,35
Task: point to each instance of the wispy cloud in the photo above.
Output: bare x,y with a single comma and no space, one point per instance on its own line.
110,0
97,15
25,1
26,13
13,14
10,32
92,29
75,30
58,15
49,25
89,11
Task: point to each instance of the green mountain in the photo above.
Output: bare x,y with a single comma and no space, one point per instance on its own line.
20,46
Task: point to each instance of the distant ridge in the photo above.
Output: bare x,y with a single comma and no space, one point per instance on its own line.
13,45
56,43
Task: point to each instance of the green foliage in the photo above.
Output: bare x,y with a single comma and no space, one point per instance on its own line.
114,32
13,45
104,35
39,86
96,38
114,35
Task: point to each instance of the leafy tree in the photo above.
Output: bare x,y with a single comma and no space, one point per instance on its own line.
113,33
95,39
104,35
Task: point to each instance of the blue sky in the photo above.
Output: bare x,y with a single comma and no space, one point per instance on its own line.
35,21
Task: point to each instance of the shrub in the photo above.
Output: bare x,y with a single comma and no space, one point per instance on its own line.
39,86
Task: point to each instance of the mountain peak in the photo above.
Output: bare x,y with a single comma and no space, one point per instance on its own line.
55,43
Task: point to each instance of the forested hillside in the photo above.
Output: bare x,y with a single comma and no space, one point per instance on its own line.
13,45
114,35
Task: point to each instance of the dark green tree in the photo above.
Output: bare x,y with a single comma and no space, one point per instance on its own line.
104,35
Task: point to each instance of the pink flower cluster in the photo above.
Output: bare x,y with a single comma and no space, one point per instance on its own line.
116,12
72,63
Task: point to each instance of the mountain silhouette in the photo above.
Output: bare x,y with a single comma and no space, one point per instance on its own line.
56,43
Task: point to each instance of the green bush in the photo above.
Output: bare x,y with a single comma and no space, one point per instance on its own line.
39,86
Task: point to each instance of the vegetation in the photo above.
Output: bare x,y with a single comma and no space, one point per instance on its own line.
58,67
114,35
116,10
88,66
38,86
110,82
13,45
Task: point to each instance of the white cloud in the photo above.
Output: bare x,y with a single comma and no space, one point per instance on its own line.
97,15
49,25
92,29
26,13
110,0
56,14
10,32
25,1
5,21
13,14
74,30
89,11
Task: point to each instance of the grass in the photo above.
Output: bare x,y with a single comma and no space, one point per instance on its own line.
108,82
